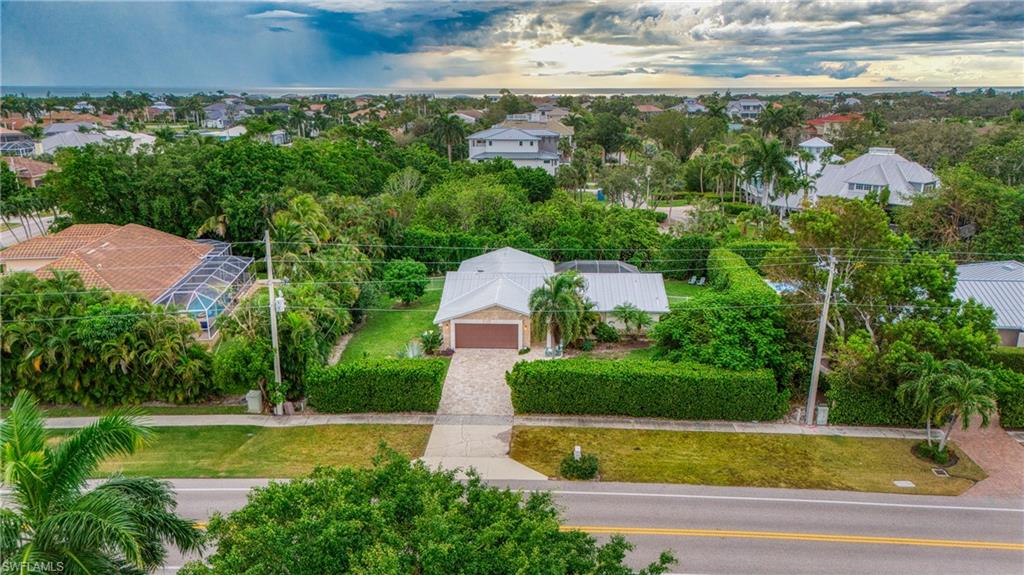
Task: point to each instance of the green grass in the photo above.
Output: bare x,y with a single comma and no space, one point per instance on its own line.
744,459
679,289
385,333
249,451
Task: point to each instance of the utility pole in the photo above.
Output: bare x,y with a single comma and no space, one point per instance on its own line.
822,324
273,309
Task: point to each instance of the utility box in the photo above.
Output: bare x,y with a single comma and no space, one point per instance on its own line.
254,401
822,415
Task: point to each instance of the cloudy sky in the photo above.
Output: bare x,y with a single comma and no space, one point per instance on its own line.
533,44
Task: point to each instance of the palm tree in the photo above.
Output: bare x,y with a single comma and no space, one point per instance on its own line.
118,526
765,163
629,315
449,130
922,390
557,307
965,392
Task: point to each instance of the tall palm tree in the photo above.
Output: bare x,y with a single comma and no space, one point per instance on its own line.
449,130
965,392
118,526
557,307
765,163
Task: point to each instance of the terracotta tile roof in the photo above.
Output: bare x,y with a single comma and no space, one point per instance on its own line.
130,259
27,167
648,109
835,119
59,244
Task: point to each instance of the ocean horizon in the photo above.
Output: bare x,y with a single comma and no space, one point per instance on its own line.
277,91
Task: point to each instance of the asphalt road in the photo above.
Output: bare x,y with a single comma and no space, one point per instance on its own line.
736,531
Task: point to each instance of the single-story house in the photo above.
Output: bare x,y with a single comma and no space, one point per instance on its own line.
485,304
468,115
200,277
1000,286
15,143
29,171
647,110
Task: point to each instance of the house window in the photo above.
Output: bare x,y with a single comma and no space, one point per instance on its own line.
490,143
520,144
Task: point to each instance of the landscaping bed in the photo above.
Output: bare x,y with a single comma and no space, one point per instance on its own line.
248,451
744,459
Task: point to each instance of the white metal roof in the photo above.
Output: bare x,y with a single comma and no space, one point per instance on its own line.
999,285
507,260
815,142
513,134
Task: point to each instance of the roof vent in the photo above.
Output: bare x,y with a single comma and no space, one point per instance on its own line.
882,151
1009,266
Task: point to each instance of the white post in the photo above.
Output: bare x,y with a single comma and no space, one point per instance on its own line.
812,393
273,308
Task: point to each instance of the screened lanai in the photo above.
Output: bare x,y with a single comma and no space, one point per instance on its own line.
211,288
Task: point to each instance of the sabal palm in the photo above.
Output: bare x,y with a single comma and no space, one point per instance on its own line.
449,130
765,163
119,526
965,392
558,305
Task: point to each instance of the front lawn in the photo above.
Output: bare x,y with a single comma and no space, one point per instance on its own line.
250,451
743,459
679,289
385,333
80,411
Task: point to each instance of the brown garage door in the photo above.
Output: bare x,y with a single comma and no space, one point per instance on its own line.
487,335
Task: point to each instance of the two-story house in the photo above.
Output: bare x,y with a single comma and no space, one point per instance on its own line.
525,147
746,108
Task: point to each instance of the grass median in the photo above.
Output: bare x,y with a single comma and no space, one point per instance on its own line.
249,451
744,459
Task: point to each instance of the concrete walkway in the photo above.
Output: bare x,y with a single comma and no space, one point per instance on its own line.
475,417
1000,455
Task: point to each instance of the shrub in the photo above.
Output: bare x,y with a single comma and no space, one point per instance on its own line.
406,280
1009,357
585,467
431,340
241,364
644,389
605,333
932,452
524,351
850,404
660,217
735,208
384,385
754,251
1010,398
587,345
686,256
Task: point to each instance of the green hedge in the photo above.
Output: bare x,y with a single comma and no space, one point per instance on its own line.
1009,357
1010,398
384,385
728,271
853,405
686,256
736,208
754,251
645,389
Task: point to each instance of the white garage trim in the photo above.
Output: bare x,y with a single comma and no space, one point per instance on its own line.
516,322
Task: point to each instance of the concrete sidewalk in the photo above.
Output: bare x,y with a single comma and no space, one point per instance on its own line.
505,420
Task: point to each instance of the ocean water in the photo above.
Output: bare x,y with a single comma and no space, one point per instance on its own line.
276,91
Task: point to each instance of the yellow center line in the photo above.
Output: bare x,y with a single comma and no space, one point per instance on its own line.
819,537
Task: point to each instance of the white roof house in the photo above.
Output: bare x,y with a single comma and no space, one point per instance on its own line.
746,108
74,139
1000,286
486,303
525,147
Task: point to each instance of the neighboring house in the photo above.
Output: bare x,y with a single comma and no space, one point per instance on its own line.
83,106
485,304
29,171
138,139
61,127
314,109
278,137
225,135
468,116
821,155
830,125
746,108
1000,286
226,113
15,143
525,147
563,131
51,144
200,277
852,102
157,109
367,115
280,108
690,106
552,112
647,110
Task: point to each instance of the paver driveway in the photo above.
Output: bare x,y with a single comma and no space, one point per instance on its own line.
475,384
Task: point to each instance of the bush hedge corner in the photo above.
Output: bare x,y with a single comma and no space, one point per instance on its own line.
383,385
645,389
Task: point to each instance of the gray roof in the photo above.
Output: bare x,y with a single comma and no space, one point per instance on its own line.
999,285
878,167
67,127
597,266
70,140
516,155
513,134
505,278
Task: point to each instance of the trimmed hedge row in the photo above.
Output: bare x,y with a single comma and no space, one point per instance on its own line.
686,256
754,251
645,389
1010,398
1011,358
383,385
853,405
728,271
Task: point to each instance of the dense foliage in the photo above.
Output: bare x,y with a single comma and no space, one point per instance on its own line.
403,518
1011,358
405,280
851,404
645,389
383,385
68,344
